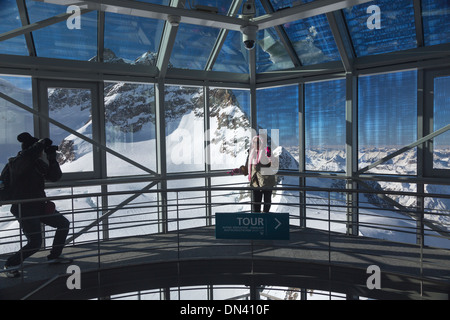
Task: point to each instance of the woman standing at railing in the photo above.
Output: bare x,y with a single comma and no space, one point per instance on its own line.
260,174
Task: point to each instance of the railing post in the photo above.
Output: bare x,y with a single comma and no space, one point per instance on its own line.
352,209
21,239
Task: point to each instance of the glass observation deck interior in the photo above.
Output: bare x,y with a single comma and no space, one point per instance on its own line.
158,96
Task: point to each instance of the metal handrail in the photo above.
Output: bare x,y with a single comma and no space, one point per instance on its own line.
335,204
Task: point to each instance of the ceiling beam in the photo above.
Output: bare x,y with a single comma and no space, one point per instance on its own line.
197,17
418,23
26,21
167,40
425,57
234,9
342,39
39,25
156,11
303,11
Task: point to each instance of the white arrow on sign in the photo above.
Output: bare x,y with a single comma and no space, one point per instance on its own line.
279,224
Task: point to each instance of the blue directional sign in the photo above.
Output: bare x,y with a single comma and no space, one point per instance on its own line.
252,226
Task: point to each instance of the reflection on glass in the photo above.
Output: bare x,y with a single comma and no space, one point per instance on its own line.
313,40
13,119
396,26
184,118
387,112
193,46
130,126
277,109
233,57
270,52
131,39
10,20
441,144
61,40
229,127
325,126
222,6
436,21
72,107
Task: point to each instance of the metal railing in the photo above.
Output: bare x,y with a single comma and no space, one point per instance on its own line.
97,216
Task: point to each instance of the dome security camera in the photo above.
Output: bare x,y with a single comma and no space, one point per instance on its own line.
249,36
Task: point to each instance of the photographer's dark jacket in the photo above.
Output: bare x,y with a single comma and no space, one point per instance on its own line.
27,173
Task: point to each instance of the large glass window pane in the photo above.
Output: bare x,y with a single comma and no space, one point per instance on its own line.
193,46
131,39
10,20
277,112
72,107
325,126
80,211
130,126
436,21
230,200
186,209
133,215
229,127
326,210
64,39
313,40
184,119
270,52
233,57
387,113
395,31
13,119
437,213
441,118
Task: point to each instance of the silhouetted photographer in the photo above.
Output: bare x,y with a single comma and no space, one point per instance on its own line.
25,176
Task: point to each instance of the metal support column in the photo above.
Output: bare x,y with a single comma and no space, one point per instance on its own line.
351,119
161,156
302,158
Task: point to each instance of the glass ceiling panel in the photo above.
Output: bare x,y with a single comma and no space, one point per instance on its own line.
10,20
161,2
63,40
193,46
131,39
313,40
233,57
221,5
396,27
436,21
271,54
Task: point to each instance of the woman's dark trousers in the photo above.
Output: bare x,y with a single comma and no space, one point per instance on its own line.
258,195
